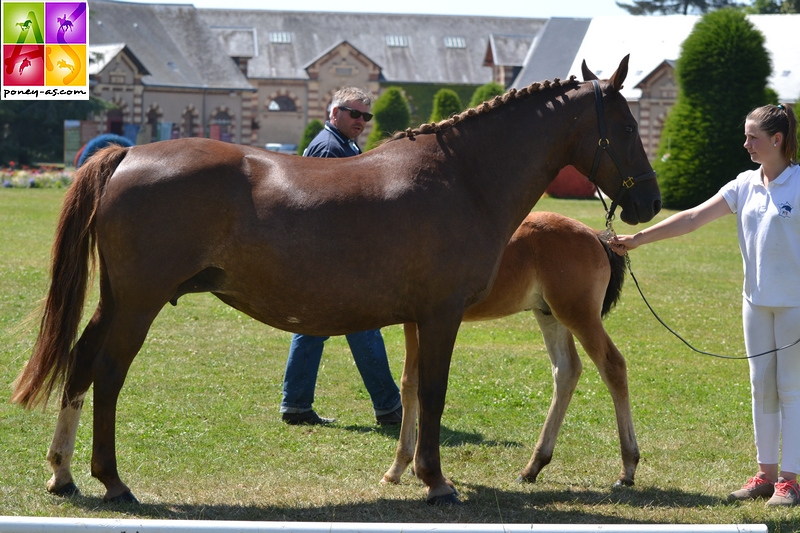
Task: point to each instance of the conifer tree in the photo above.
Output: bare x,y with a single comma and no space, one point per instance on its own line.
722,74
391,114
310,131
445,103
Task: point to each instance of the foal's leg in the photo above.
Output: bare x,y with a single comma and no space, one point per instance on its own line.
126,336
611,365
566,371
78,381
436,340
409,386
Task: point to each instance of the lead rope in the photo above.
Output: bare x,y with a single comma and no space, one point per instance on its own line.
609,234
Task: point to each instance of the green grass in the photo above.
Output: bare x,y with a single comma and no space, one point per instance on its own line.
199,435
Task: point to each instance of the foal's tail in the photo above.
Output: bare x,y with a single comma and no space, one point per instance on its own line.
614,289
73,258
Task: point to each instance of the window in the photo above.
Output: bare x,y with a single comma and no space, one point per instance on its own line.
455,42
282,103
397,41
280,37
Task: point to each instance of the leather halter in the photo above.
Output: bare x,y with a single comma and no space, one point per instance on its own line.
604,145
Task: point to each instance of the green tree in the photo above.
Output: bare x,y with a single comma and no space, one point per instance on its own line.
391,113
674,7
33,131
310,131
774,7
445,103
722,74
485,93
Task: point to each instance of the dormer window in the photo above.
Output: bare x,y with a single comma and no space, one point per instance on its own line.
397,41
280,37
455,42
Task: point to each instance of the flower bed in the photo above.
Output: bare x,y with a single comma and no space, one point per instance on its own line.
44,177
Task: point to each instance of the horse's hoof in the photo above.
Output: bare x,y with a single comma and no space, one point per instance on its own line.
523,479
623,483
70,489
447,499
125,497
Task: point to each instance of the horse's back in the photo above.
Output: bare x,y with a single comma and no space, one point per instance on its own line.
552,263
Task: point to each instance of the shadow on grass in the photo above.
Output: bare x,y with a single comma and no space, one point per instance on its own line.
482,504
450,438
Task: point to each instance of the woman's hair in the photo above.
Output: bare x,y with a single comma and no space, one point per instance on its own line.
780,118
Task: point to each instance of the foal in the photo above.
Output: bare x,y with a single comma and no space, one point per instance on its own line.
563,271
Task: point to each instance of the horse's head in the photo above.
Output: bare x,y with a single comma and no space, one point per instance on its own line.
620,166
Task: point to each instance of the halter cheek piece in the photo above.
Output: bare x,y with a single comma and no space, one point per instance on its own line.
604,145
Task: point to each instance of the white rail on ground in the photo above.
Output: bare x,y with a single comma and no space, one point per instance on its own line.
18,524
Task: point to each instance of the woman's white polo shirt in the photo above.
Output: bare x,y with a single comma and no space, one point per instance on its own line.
768,220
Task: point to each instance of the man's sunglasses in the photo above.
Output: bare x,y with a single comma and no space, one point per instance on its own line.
355,113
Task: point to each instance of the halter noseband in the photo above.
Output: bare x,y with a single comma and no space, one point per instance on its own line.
604,145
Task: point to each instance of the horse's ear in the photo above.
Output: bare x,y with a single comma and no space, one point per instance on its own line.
619,75
587,74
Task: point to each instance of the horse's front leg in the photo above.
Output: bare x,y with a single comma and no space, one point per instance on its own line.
436,340
409,386
566,372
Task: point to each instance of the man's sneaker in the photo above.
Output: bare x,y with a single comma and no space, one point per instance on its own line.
391,419
306,418
786,493
757,486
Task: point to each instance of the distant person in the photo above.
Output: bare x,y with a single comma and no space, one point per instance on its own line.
766,202
348,118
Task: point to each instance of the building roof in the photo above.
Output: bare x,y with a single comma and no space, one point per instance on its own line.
552,51
408,48
651,40
176,47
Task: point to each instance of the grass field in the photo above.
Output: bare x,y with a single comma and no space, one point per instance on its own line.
199,435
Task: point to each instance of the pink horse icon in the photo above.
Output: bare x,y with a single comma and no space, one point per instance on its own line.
25,63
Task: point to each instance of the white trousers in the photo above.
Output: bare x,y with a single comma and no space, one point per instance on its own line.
774,382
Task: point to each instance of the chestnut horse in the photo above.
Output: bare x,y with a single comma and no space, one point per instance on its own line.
411,231
565,273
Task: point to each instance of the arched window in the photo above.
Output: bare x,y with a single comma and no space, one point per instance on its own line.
153,117
188,124
221,126
282,103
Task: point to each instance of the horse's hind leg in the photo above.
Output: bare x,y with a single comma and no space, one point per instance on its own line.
78,381
126,334
566,372
409,386
611,365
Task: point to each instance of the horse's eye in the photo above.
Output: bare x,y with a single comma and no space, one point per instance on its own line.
629,129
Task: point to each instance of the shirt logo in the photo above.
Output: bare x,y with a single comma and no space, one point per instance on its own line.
785,210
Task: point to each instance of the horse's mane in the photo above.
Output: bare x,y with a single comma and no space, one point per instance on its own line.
485,107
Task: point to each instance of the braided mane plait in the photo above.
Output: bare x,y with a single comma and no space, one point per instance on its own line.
485,107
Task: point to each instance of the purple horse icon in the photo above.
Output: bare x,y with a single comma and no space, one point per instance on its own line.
64,23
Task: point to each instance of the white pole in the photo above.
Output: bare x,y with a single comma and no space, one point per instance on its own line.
25,524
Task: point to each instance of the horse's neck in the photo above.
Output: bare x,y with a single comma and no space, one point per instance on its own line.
521,152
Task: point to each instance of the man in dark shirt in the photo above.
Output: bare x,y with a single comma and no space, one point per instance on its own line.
348,118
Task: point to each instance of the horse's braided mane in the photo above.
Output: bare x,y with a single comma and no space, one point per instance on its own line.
485,107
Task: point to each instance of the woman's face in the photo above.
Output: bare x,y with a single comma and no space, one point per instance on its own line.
758,143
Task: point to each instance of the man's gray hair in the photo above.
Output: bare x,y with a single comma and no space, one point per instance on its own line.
352,94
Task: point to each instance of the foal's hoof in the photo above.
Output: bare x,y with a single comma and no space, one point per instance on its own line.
523,479
447,499
125,497
70,489
623,483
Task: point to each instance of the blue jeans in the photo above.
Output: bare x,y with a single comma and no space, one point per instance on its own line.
369,353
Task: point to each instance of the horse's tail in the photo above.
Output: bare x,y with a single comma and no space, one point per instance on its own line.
614,289
73,259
